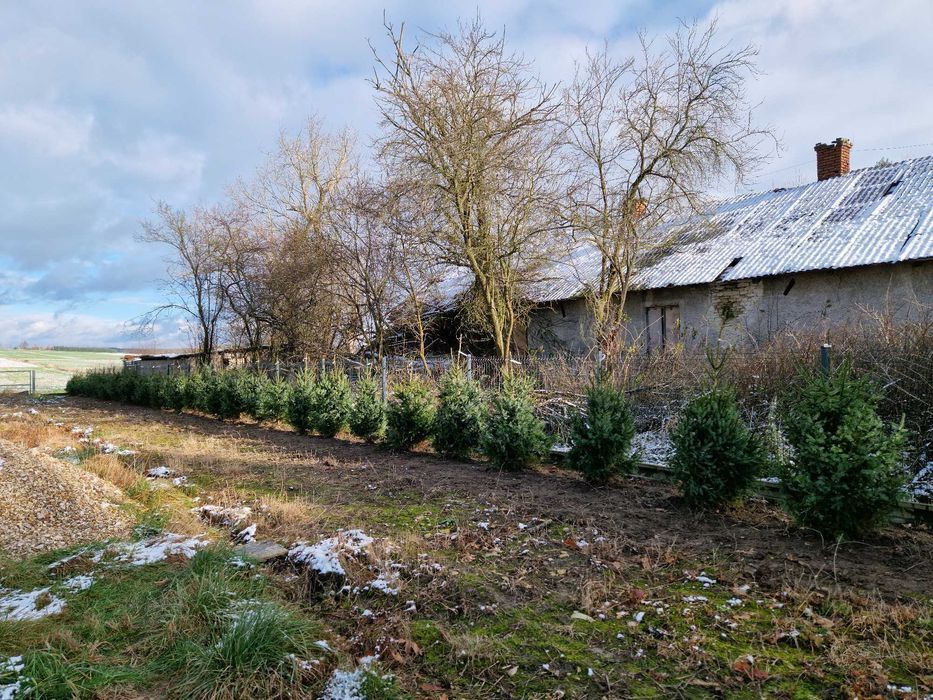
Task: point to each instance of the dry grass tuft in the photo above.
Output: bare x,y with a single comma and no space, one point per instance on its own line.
28,433
289,514
110,467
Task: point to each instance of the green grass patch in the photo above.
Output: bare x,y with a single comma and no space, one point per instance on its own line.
208,627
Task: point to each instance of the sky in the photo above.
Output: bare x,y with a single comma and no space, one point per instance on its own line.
107,107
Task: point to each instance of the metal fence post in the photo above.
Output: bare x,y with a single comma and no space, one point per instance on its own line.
469,367
824,358
32,381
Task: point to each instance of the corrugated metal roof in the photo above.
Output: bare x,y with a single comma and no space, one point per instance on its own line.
876,215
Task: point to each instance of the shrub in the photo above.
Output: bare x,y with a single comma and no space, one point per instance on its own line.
410,415
273,401
173,392
461,416
197,389
716,457
332,403
601,438
843,478
248,386
368,415
514,437
223,394
301,402
140,388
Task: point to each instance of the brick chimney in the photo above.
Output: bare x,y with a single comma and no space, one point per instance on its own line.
832,159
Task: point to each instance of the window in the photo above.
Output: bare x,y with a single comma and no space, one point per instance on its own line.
662,326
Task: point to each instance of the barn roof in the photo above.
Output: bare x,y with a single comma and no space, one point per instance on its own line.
877,215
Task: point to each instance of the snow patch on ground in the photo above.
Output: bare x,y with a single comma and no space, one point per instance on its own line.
324,557
348,685
385,584
246,535
29,605
78,583
157,549
10,670
232,517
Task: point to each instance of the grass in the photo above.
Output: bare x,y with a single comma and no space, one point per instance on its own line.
207,627
53,367
500,609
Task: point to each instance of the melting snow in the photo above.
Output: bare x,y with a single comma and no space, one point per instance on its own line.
384,585
323,557
25,605
695,599
218,515
348,685
78,583
159,473
157,549
11,667
247,534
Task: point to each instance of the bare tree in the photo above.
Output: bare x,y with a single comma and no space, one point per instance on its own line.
470,126
418,273
193,285
649,137
242,277
369,261
292,204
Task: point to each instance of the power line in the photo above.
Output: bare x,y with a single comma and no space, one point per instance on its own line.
894,148
855,148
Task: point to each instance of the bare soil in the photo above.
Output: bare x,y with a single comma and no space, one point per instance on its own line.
647,516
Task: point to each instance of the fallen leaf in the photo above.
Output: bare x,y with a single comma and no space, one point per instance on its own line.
749,671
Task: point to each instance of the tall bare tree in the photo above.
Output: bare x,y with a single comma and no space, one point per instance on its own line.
369,260
470,125
193,285
648,137
292,204
245,325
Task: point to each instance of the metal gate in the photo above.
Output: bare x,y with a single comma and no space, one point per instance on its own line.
29,385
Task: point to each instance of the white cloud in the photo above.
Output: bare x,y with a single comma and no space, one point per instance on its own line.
159,158
110,106
833,68
48,130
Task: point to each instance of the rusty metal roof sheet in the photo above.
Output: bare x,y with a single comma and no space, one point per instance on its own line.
872,216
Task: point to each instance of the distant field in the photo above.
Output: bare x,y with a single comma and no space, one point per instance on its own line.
53,367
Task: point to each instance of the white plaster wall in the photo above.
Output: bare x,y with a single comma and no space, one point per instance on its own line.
749,311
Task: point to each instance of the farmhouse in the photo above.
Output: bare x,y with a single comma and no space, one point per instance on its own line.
810,257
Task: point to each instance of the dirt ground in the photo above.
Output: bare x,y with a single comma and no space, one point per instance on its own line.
645,515
536,584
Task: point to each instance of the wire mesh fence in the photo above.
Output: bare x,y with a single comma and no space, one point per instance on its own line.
899,360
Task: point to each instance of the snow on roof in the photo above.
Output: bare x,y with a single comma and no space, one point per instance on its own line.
882,214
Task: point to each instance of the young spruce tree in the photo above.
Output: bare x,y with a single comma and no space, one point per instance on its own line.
844,477
601,437
461,416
